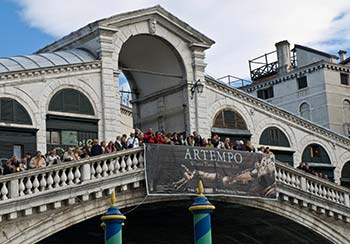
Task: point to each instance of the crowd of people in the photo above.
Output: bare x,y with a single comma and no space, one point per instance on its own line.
136,138
306,168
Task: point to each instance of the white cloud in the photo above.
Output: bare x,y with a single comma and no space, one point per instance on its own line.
242,29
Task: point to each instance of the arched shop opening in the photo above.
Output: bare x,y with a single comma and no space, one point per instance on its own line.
157,79
277,141
71,120
318,160
345,175
16,138
230,124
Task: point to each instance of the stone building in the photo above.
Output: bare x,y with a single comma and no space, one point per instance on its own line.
310,83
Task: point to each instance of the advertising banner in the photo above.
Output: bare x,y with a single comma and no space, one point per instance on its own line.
177,169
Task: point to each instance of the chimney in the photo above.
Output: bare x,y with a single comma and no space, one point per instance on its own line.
283,56
342,55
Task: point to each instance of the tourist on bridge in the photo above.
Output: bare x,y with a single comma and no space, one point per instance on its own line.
37,162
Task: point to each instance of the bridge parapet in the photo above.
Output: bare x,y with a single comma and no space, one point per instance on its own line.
315,193
68,182
40,190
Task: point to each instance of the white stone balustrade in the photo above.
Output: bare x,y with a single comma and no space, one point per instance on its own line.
68,182
66,175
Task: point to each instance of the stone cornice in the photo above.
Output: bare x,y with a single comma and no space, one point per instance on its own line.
126,110
297,73
34,73
258,103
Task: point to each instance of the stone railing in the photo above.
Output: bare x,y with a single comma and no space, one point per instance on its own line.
312,192
54,186
48,181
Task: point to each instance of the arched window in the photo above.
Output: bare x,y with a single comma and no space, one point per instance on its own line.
346,108
12,111
273,136
71,101
318,160
227,118
305,111
315,153
345,175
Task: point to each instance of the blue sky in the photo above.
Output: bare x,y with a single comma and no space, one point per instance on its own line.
17,37
242,30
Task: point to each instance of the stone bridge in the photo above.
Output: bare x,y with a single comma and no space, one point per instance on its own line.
38,203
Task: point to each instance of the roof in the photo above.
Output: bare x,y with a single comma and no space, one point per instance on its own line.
345,61
44,60
327,55
127,16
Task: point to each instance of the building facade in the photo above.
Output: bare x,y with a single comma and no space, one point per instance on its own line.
307,82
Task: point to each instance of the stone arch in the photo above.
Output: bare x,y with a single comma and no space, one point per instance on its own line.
343,159
288,132
75,214
54,86
229,104
142,28
310,139
27,104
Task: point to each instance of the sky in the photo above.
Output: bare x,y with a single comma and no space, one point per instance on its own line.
241,29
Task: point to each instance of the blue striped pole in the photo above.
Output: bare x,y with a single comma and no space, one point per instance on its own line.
112,222
201,210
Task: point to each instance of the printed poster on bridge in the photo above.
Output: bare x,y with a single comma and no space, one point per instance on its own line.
177,169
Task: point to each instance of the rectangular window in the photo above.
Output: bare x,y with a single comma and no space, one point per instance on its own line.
18,151
266,93
69,137
53,137
302,82
344,79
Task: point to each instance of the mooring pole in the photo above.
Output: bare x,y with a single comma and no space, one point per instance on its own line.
112,222
201,210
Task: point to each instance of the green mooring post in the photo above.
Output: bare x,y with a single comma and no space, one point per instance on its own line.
112,222
201,210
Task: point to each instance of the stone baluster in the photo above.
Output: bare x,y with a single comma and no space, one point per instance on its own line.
77,175
36,184
49,181
21,187
123,164
70,176
93,171
117,165
43,182
98,169
63,178
141,160
128,163
347,199
135,161
29,186
104,168
111,166
4,191
57,180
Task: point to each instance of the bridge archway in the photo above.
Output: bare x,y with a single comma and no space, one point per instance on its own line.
279,144
157,77
76,214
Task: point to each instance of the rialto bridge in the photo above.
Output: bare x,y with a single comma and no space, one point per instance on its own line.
68,92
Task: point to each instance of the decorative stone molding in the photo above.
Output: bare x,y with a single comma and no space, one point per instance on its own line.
38,73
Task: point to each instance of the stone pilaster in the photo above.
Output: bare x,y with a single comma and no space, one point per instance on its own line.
109,85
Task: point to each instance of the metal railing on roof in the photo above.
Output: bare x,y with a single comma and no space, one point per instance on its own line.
234,81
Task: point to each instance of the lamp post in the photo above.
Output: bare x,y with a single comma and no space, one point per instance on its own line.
196,88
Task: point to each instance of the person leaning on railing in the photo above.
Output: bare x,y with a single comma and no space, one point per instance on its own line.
37,162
